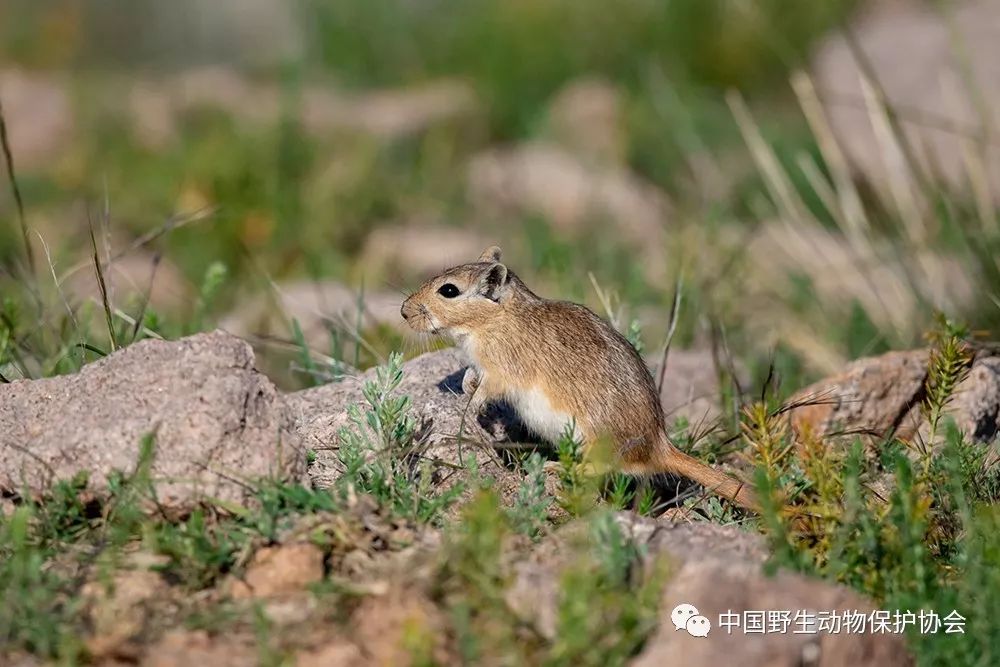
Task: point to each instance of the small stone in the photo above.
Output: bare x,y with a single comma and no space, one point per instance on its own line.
287,568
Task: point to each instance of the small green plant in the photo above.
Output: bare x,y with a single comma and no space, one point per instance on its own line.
37,611
712,510
211,284
472,581
619,491
309,365
646,503
609,600
634,335
382,456
268,655
949,363
577,489
529,514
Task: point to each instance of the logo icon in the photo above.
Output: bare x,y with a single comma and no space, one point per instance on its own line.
686,617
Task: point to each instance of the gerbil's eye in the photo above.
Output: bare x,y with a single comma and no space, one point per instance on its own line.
448,291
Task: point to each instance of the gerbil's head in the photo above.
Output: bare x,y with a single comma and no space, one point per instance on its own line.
460,299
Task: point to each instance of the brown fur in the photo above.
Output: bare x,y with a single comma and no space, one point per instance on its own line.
557,358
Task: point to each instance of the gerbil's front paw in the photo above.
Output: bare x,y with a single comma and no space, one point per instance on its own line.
470,381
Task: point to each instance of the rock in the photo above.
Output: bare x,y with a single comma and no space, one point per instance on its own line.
39,118
921,55
402,627
421,251
186,648
118,611
714,589
585,117
975,405
873,394
217,422
543,179
433,382
696,542
287,568
882,395
319,307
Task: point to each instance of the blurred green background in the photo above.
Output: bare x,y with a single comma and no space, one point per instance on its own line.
287,170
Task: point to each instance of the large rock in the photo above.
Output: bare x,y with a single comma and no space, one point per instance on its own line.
882,395
385,628
279,570
218,423
873,394
121,607
940,71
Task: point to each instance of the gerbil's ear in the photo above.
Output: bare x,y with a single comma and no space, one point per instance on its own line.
493,284
491,254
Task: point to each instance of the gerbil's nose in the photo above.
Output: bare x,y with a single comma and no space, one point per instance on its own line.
406,310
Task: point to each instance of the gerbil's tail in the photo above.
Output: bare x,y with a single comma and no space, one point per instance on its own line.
673,460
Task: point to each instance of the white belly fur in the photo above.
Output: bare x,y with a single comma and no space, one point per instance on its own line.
532,405
536,412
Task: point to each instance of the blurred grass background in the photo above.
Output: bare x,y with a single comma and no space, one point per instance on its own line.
308,138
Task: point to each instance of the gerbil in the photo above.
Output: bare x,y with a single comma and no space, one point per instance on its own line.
556,363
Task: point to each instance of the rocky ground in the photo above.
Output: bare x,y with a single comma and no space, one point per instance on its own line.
356,582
